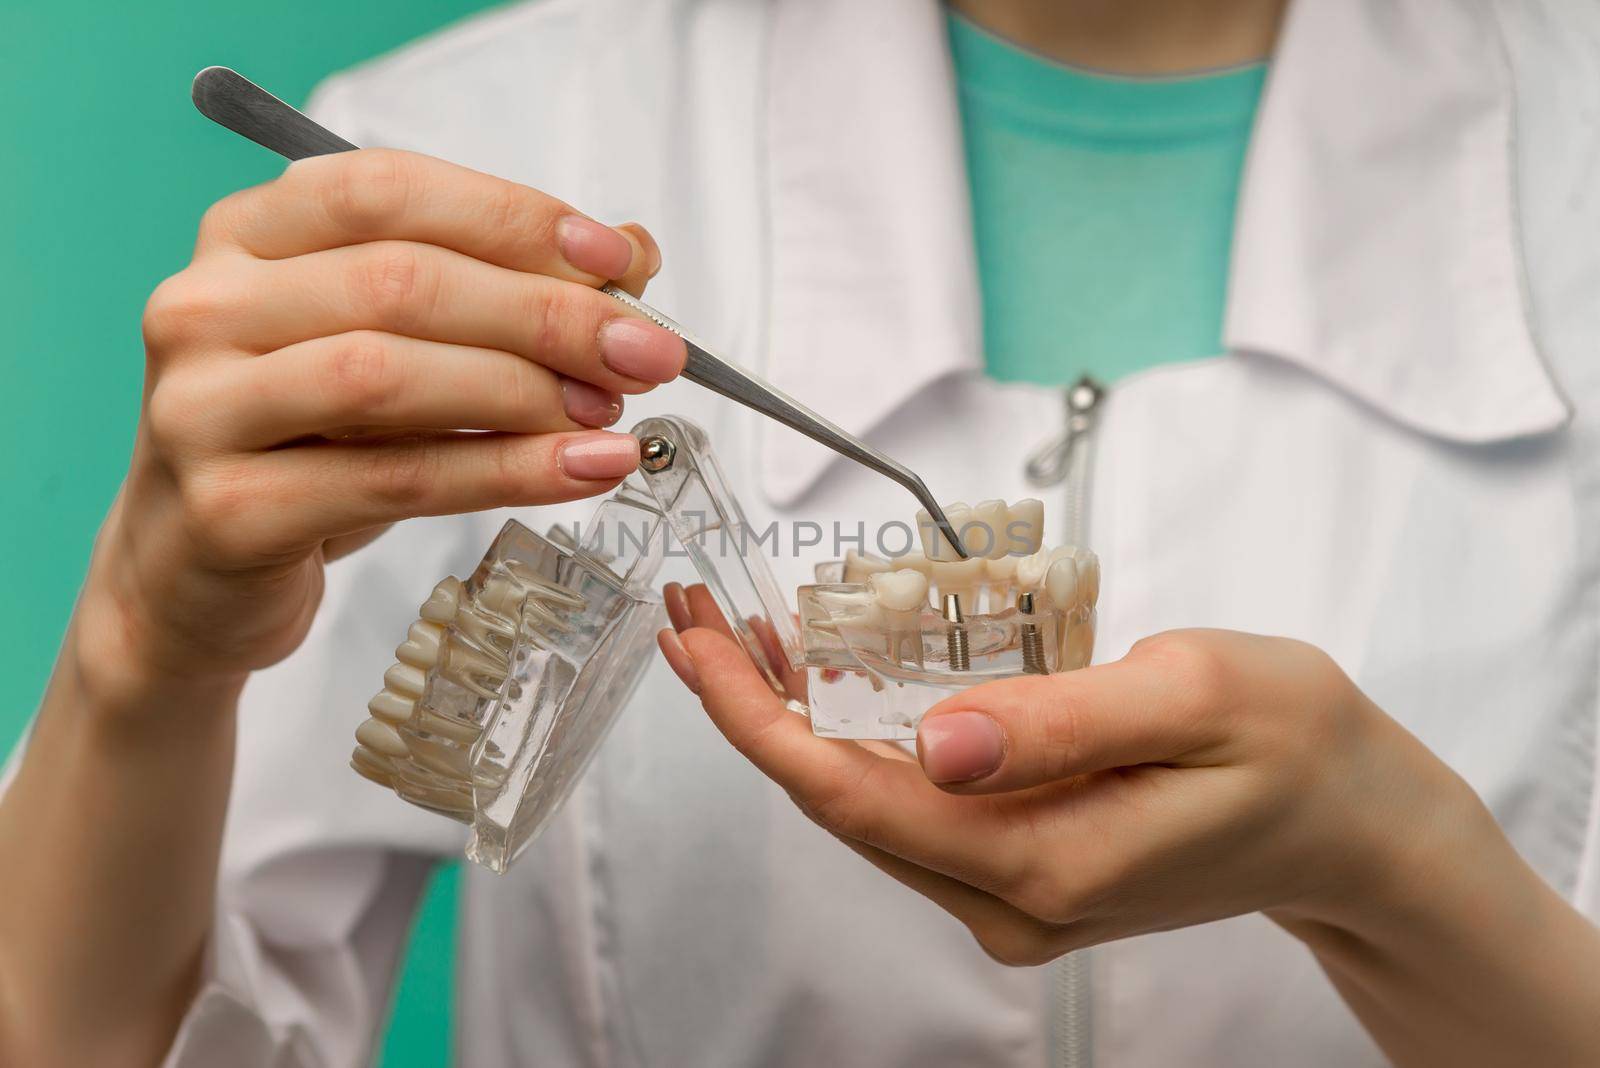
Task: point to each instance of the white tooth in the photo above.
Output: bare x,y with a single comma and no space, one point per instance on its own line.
1025,526
1031,569
440,607
858,609
857,566
912,562
960,577
370,765
934,543
381,738
405,679
1077,647
391,707
1061,584
900,591
1001,569
1088,576
986,534
502,595
421,647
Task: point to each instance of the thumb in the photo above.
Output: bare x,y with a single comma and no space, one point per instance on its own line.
1019,733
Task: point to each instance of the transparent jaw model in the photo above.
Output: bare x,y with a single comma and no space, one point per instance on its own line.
886,639
507,682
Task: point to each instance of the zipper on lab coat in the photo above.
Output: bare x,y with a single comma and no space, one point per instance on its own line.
1066,461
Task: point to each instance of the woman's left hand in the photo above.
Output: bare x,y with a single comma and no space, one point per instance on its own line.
1204,775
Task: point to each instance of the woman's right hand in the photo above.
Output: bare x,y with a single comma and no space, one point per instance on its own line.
372,336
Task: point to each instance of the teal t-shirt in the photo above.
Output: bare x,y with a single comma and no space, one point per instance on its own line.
1102,208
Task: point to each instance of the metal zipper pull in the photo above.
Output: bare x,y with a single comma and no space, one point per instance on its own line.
1051,463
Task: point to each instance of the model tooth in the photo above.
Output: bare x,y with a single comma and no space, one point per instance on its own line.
900,591
381,738
1077,645
502,596
1088,576
1001,569
1061,586
406,679
1025,527
857,608
935,545
372,766
986,535
441,605
912,562
483,630
857,566
1031,569
545,589
960,577
391,707
421,647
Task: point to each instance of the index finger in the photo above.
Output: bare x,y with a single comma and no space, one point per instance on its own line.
850,791
379,194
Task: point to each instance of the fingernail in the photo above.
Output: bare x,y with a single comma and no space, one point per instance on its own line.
598,456
589,404
640,349
593,247
678,659
960,746
677,602
652,251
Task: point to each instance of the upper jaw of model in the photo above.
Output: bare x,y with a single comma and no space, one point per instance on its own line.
1005,558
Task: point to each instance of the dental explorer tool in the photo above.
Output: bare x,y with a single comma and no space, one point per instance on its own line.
229,99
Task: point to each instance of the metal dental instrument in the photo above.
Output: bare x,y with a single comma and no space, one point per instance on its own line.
230,99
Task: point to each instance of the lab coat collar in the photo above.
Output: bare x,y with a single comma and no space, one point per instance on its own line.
1376,243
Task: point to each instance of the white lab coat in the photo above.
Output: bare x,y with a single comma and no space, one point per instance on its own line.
1396,459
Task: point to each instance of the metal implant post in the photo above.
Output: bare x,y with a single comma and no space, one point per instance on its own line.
956,634
1032,640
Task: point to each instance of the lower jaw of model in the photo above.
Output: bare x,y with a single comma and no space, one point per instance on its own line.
919,626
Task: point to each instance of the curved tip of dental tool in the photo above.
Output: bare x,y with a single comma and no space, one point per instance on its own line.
950,534
940,520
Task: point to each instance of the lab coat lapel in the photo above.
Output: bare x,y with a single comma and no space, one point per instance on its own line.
1377,242
873,280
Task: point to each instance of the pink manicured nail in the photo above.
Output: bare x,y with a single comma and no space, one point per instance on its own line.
598,455
677,602
960,746
589,405
640,349
593,247
678,659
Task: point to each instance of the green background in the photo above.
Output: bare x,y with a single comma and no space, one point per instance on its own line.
105,169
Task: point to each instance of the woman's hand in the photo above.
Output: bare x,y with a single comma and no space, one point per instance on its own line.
373,336
316,373
1206,774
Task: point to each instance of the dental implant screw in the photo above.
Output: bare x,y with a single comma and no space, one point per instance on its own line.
656,453
1032,640
956,634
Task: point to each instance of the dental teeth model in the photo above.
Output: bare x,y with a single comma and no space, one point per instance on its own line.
467,721
941,622
504,684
